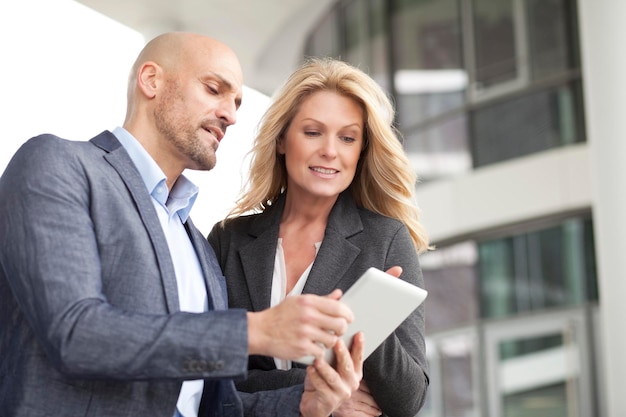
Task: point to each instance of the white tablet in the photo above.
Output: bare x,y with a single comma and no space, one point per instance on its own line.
380,303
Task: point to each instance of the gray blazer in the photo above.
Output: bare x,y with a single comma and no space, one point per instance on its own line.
89,315
355,239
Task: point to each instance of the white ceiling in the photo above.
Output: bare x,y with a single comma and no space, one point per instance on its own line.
267,35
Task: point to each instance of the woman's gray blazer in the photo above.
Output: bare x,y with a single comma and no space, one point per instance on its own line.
355,239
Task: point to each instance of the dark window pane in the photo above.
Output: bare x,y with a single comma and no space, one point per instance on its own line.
366,38
531,123
379,39
357,33
510,349
551,37
497,278
539,270
589,259
494,40
546,272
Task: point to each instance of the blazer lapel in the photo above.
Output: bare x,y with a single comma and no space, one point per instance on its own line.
216,286
337,253
121,162
257,257
333,260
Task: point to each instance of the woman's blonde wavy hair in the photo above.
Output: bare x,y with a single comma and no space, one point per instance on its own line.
384,181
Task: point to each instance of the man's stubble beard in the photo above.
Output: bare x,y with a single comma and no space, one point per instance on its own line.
181,133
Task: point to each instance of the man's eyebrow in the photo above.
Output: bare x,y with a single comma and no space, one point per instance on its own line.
226,84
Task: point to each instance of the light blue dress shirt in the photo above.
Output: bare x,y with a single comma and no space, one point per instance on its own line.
173,207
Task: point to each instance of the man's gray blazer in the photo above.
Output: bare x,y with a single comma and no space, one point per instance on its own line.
89,316
355,239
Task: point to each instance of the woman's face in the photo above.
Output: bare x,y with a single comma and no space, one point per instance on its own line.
322,145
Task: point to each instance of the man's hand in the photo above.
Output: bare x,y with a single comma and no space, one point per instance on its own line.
300,326
360,404
326,388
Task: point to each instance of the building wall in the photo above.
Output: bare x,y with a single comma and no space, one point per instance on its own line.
547,184
602,25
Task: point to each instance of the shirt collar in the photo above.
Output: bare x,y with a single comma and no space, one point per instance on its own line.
183,195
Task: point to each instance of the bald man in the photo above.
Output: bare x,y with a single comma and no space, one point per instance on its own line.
111,301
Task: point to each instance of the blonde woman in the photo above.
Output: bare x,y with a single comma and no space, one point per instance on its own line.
331,193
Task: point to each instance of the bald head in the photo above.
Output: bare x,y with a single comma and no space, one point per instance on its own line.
171,49
177,51
184,91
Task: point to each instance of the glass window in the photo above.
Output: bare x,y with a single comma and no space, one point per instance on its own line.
458,356
453,362
527,124
497,278
551,37
474,82
515,42
440,149
450,276
430,84
538,270
357,34
429,77
496,51
366,38
379,39
530,387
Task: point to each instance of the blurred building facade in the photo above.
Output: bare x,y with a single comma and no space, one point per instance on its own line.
491,104
510,111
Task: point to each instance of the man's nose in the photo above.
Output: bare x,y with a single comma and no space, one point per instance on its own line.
227,112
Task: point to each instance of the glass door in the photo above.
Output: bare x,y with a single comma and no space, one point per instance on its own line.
539,366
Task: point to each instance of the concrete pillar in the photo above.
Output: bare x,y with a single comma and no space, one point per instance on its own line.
602,33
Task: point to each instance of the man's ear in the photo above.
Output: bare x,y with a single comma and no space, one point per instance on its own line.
147,79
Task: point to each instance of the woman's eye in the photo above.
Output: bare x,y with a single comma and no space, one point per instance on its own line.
311,133
348,139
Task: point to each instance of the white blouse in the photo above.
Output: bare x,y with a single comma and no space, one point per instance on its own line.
279,287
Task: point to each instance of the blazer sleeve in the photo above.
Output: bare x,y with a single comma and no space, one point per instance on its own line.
260,380
52,257
282,402
396,372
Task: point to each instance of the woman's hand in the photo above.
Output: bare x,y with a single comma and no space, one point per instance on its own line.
325,388
360,404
